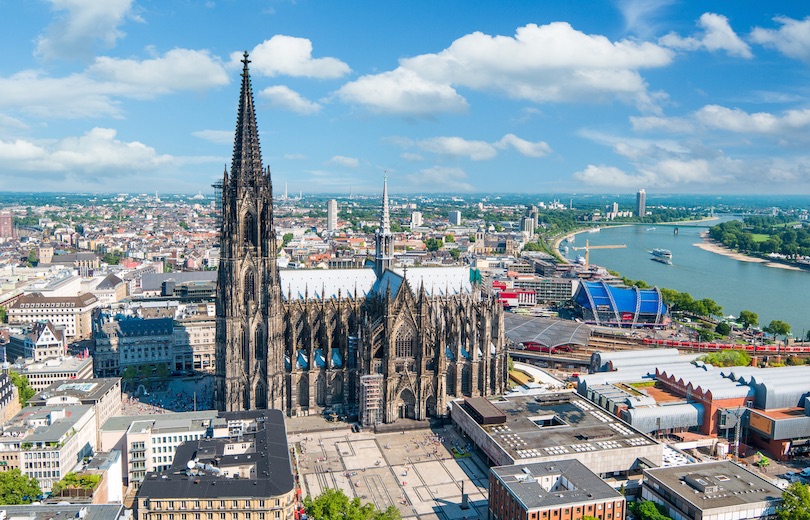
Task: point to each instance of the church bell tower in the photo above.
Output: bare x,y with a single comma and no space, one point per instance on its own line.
384,240
249,341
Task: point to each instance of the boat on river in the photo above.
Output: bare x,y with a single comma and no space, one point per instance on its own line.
663,256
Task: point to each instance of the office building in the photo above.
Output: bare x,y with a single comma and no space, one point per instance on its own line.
641,203
711,491
331,215
6,226
73,314
455,218
416,219
42,374
563,489
245,476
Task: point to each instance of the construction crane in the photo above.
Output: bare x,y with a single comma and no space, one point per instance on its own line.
588,248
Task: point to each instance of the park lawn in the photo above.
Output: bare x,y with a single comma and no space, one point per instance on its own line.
759,237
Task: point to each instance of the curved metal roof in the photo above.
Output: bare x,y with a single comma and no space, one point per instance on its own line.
548,332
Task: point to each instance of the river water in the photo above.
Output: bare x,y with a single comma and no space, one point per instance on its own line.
735,285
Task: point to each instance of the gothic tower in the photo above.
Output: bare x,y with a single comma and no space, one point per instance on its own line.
249,341
384,252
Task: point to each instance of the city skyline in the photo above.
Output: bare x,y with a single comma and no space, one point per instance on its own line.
612,97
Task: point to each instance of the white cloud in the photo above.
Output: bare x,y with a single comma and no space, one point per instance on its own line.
81,25
527,148
71,96
639,15
601,175
717,35
453,146
412,157
290,56
792,39
440,179
402,92
215,136
736,120
294,156
657,123
458,147
349,162
280,96
178,69
97,151
549,63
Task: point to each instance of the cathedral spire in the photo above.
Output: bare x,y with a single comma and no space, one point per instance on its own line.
385,217
247,156
384,253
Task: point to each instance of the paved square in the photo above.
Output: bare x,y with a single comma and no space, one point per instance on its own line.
415,471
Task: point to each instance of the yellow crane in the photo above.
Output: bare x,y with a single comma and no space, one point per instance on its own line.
588,248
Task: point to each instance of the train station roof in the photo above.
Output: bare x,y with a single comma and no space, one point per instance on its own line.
546,331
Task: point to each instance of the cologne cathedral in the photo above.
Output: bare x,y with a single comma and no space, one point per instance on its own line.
382,343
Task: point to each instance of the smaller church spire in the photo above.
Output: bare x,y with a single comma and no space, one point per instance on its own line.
385,216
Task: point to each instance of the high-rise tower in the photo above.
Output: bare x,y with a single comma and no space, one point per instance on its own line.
641,203
384,251
249,344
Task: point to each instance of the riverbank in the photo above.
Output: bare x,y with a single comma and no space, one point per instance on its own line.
715,247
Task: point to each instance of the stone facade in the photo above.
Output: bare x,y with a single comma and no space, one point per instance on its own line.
308,354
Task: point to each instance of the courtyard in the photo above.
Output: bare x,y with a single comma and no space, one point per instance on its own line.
420,472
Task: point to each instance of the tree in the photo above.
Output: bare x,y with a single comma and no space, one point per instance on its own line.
3,315
162,371
24,390
434,244
727,358
649,510
455,253
16,488
748,319
333,503
724,329
449,239
777,328
795,503
286,239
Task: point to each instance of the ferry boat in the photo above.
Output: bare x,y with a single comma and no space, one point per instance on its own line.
662,255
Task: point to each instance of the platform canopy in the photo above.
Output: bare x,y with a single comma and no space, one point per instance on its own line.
546,331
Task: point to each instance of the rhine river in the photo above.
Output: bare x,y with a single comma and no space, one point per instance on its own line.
772,293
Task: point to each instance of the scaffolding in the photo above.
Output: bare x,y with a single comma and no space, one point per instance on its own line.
371,401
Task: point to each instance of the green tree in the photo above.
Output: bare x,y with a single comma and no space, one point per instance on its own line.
777,328
727,358
16,488
449,239
455,253
649,510
32,259
333,503
724,329
286,239
129,373
434,244
24,390
795,503
3,315
748,319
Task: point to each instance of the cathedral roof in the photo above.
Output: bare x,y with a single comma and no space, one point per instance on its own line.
317,284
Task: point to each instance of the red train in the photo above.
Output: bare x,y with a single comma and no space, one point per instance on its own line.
726,346
538,347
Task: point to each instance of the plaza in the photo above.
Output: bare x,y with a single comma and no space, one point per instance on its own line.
416,471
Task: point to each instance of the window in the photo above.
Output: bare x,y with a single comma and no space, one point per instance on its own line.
404,343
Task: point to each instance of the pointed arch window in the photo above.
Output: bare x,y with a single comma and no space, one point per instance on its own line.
259,346
250,231
249,287
404,343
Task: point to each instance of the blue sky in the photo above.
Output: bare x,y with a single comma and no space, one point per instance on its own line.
445,96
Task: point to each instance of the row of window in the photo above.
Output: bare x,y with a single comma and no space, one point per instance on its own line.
234,504
210,516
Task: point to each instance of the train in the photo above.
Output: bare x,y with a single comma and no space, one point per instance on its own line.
775,349
534,346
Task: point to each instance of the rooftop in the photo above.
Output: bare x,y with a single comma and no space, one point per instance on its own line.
82,389
713,485
559,423
214,468
568,482
63,512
